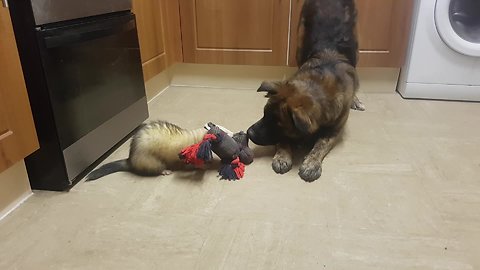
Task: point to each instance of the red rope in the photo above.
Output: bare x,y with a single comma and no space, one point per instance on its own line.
239,168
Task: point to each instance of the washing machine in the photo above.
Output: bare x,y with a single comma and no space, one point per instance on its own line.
443,58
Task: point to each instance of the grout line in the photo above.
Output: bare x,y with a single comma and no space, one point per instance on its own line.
14,205
159,93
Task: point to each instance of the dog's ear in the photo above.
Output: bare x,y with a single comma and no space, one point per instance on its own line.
303,122
271,88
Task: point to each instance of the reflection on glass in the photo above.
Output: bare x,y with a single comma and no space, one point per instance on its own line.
465,19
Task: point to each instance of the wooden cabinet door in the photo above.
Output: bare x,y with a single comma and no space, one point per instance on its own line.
158,26
383,31
253,32
18,138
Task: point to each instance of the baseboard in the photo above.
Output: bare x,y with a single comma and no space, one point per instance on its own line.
221,76
378,80
439,91
14,205
372,80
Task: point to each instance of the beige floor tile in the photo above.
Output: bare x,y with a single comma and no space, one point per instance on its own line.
241,244
376,251
400,191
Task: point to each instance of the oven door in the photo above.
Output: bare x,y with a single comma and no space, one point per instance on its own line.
94,73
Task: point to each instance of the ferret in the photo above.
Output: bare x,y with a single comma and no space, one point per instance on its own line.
154,150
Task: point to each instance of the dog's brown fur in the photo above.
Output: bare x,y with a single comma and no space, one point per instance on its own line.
315,103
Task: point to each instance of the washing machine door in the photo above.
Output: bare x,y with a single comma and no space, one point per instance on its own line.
458,23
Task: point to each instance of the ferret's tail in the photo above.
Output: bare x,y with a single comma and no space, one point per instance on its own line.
109,168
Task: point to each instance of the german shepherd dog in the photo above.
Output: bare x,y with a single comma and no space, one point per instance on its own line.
313,106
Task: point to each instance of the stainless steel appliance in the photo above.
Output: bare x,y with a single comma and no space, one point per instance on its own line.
51,11
82,66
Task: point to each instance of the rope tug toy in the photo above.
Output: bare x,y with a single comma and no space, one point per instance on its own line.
233,151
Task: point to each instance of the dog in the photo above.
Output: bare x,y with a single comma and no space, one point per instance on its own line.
312,107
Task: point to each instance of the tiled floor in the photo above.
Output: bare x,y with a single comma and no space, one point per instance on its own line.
402,191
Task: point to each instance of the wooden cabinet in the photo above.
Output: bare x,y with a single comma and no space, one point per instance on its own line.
18,138
257,32
235,32
383,31
158,25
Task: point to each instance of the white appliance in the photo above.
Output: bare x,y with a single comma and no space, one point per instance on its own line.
443,59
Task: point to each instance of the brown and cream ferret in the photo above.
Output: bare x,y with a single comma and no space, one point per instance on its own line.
154,150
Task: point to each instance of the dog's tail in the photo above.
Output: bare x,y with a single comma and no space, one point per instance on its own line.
109,168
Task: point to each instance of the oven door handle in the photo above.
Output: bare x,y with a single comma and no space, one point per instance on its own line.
59,37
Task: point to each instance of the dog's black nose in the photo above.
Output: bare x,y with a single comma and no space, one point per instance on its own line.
258,138
250,133
262,134
255,136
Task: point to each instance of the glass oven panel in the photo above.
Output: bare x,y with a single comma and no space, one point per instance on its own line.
93,71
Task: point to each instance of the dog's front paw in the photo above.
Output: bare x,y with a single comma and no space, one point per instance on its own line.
310,170
281,164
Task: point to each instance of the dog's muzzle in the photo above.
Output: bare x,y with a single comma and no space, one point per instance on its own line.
261,133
